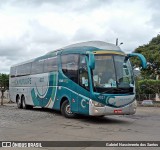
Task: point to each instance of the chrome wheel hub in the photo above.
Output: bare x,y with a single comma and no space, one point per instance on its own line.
68,109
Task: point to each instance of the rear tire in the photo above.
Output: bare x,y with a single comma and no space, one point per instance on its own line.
24,105
23,102
19,102
65,110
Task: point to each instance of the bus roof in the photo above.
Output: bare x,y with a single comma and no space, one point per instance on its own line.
80,48
97,44
87,46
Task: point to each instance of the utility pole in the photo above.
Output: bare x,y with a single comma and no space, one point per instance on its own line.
116,41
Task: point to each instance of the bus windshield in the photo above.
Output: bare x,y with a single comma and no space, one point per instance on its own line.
112,72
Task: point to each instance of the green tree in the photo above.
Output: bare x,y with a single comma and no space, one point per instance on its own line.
151,51
4,85
147,89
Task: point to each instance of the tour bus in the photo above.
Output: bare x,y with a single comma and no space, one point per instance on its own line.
90,78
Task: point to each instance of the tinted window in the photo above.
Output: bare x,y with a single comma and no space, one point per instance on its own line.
21,70
70,66
124,72
18,72
24,69
13,72
50,64
104,72
27,69
83,73
37,67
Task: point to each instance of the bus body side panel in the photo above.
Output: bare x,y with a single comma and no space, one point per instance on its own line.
20,86
47,83
74,93
66,91
38,90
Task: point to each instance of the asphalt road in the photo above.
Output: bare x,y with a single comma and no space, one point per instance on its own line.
43,124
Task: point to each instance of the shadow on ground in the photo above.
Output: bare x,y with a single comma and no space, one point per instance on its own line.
86,119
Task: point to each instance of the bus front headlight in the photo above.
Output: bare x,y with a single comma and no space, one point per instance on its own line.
97,104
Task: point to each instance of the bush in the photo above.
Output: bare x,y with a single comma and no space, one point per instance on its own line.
147,89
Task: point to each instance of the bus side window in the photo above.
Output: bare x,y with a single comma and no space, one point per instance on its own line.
83,73
21,70
13,72
50,64
25,69
37,67
70,66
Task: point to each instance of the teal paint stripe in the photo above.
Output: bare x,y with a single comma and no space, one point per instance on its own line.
41,95
44,100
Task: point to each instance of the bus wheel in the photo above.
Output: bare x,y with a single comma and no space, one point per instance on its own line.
24,106
66,110
19,102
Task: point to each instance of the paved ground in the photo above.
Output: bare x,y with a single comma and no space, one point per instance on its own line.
42,124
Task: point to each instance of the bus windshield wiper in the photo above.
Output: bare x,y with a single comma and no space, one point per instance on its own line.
108,90
112,89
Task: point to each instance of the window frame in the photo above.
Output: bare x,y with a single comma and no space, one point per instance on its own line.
42,71
78,55
86,57
46,64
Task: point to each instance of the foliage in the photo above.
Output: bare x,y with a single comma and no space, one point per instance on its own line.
148,88
4,85
151,51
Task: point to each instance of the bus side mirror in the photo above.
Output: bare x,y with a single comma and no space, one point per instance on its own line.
91,61
141,57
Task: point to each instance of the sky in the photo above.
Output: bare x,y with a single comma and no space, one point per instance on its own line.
31,28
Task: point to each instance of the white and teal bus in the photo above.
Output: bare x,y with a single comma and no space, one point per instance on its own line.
91,78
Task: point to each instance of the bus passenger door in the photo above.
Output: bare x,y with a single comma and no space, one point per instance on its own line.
70,79
83,90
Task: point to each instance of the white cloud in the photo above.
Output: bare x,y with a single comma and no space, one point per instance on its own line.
32,28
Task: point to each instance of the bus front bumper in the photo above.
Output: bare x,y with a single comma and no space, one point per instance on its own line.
106,110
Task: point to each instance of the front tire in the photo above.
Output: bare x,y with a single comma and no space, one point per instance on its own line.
66,110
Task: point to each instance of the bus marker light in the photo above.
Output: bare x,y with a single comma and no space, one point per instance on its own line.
73,100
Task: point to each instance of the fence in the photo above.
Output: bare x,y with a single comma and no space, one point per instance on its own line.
154,97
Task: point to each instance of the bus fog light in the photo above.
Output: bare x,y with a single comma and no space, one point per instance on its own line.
96,111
